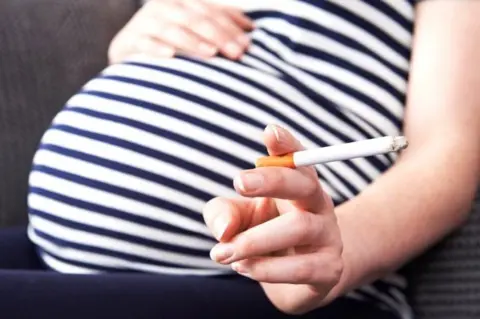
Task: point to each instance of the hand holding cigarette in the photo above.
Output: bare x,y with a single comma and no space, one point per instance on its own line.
334,153
283,223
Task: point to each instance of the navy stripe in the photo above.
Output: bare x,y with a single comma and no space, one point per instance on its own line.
120,191
158,155
46,252
227,157
179,115
392,14
128,258
297,107
130,170
347,41
150,243
344,64
186,95
366,25
235,94
325,103
109,211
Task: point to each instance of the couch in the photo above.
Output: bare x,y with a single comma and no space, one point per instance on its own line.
49,48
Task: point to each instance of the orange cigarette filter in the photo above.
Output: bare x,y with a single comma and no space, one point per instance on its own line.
278,161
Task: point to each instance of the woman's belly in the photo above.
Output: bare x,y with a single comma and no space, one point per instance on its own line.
121,176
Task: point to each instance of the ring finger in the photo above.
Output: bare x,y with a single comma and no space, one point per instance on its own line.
315,268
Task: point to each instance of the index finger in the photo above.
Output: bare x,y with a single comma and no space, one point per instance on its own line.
228,217
301,186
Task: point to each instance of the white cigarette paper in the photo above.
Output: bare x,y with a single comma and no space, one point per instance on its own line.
352,150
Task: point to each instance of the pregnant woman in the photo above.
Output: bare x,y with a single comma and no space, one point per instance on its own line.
135,173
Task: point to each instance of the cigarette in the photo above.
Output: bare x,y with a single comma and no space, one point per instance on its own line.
370,147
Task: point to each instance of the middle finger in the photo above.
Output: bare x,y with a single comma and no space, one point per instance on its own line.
298,228
202,25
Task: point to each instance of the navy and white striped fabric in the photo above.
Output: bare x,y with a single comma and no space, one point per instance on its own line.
121,177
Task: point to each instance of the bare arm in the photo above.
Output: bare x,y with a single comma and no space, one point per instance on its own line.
429,192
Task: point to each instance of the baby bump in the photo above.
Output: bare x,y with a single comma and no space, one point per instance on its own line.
121,176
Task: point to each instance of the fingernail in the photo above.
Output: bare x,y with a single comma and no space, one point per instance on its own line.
232,49
278,132
243,40
221,253
220,225
166,51
207,49
249,182
239,267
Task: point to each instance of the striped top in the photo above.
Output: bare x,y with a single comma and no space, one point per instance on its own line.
121,176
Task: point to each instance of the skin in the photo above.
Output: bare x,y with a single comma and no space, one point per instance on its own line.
163,28
285,232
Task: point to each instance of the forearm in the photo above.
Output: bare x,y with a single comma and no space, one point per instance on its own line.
420,200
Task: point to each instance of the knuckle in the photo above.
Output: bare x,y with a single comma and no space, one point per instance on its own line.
246,246
302,223
204,26
224,20
336,271
261,273
312,186
274,178
304,271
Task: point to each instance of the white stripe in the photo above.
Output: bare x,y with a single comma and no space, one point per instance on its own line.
336,183
65,268
340,25
259,65
252,92
321,42
355,295
403,7
166,122
149,140
329,190
179,83
135,159
127,205
319,16
132,158
76,255
352,176
404,309
385,159
183,128
118,179
334,94
377,18
87,217
341,75
291,94
386,299
118,245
